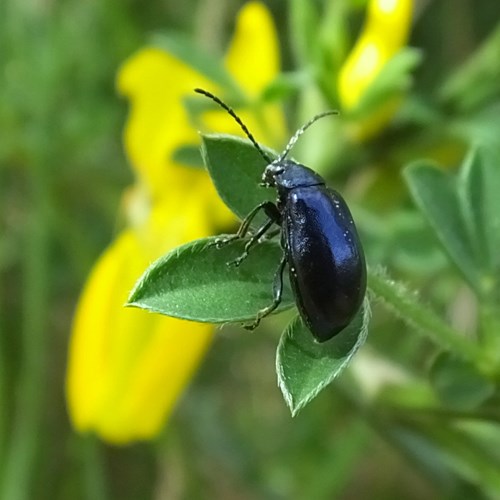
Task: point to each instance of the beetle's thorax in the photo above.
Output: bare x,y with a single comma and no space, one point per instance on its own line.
287,174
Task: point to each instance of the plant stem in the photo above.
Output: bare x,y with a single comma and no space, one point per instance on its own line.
3,387
25,431
93,467
404,304
490,336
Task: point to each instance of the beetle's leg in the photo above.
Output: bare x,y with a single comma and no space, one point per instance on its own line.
252,242
267,206
274,215
271,234
277,294
270,209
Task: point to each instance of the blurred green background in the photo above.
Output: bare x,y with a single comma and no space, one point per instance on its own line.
62,172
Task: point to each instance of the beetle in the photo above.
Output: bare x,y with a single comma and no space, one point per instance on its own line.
326,263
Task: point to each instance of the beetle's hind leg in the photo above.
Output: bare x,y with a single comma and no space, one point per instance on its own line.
277,295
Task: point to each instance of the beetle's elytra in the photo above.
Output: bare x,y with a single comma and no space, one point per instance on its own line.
320,242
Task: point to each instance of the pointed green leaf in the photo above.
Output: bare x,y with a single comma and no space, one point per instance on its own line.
436,195
304,367
236,169
195,282
284,86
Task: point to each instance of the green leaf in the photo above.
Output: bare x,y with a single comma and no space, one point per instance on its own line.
284,86
304,367
459,384
435,193
479,185
475,83
465,213
195,282
184,49
470,190
236,169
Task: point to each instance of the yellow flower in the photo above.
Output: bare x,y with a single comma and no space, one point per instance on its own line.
253,61
127,368
385,32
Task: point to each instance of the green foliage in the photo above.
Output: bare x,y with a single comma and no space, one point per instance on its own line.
473,84
236,167
426,414
419,401
305,367
465,214
197,282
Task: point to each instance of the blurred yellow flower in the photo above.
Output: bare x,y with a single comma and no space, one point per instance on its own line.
126,367
385,32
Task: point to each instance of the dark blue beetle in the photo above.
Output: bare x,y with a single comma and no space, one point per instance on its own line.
319,240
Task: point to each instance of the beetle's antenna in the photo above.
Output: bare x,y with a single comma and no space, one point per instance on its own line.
237,119
300,131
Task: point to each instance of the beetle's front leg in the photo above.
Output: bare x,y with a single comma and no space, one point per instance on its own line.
274,215
267,206
252,242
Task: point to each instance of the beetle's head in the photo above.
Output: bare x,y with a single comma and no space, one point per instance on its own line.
288,174
270,177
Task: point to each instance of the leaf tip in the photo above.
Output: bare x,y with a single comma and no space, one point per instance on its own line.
134,294
297,408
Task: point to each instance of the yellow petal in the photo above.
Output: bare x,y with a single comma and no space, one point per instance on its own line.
385,32
390,20
127,367
156,84
253,56
254,62
156,380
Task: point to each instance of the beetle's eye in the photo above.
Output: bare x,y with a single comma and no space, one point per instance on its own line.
275,169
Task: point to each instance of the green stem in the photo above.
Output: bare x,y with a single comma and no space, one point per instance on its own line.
490,336
25,430
404,304
93,467
3,386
